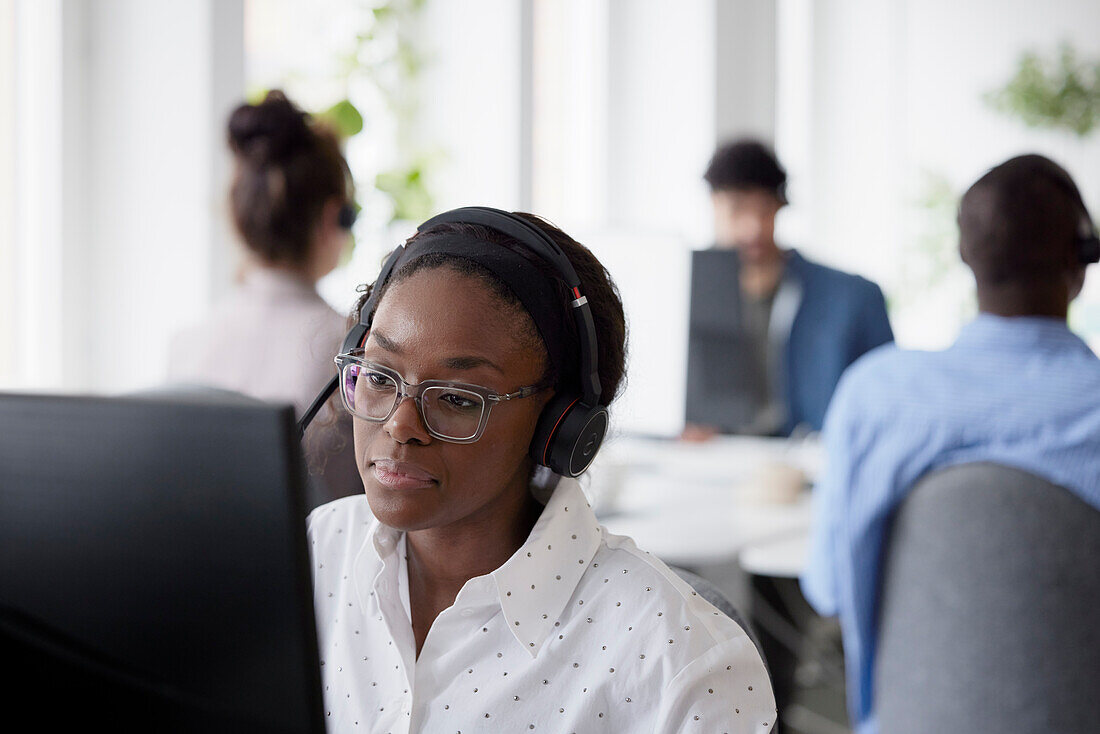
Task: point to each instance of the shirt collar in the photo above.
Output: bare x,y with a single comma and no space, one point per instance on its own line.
1025,332
534,586
537,582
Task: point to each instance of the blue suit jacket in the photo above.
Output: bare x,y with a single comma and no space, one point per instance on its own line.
840,317
821,321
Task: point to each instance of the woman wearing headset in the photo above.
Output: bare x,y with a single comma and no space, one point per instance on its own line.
472,589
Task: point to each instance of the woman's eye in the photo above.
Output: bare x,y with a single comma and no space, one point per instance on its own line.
460,402
379,380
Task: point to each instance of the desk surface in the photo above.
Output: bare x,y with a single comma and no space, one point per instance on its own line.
698,504
782,557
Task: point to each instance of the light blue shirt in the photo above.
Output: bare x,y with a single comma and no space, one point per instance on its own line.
1023,392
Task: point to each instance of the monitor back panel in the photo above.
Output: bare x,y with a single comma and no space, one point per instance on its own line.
718,386
153,552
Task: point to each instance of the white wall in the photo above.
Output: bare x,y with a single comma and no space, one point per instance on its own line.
35,256
745,44
7,192
122,105
471,101
662,121
156,113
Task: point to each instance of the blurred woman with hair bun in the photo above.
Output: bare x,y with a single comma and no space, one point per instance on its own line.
292,206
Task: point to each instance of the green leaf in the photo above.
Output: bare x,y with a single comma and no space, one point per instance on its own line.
255,95
344,118
406,190
1061,93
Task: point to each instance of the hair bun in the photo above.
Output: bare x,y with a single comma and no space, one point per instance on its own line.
270,130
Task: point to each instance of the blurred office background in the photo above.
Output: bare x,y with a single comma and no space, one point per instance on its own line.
598,114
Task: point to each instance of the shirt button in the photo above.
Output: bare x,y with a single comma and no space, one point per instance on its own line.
467,612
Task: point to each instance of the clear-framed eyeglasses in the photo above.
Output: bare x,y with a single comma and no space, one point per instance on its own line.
450,411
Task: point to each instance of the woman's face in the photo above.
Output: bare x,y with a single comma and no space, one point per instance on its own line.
439,324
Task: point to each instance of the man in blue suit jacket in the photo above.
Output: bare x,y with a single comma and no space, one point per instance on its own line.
771,332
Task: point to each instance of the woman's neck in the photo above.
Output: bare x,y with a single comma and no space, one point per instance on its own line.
303,272
441,560
452,555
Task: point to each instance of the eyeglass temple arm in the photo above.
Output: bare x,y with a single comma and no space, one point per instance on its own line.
315,406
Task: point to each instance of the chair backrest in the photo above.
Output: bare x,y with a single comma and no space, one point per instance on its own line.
989,616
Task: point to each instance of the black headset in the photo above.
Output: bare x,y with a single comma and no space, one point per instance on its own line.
572,426
1086,241
347,215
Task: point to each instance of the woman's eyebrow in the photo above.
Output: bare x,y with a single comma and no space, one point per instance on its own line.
454,363
469,363
386,343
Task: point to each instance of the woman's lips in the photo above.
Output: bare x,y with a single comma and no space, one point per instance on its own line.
399,475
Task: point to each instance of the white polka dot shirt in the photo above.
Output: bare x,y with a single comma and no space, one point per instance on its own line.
579,631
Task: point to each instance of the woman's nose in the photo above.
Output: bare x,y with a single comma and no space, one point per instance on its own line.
405,424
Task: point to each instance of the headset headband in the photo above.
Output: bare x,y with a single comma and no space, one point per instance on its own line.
539,294
514,227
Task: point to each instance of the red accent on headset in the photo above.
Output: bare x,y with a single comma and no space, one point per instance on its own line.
576,292
553,430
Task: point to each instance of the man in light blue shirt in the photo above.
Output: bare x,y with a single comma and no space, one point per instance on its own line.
1017,388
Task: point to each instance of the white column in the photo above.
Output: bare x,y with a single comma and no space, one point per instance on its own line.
39,173
471,107
7,193
745,68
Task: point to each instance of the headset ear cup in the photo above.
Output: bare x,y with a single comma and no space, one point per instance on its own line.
1088,250
568,435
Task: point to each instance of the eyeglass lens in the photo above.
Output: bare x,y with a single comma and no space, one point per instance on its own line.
446,410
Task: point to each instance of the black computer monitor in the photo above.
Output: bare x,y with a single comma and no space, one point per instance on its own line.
720,390
154,572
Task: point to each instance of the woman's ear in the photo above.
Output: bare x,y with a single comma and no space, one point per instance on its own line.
330,240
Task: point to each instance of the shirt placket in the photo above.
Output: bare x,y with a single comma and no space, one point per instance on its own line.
475,605
386,589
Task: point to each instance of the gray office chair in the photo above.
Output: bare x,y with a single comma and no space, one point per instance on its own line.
989,617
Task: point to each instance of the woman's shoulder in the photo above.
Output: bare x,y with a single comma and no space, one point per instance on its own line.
658,594
706,664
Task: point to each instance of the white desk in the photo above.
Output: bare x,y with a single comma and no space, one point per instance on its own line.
782,557
699,504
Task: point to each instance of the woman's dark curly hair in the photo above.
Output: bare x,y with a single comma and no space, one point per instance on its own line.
562,371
